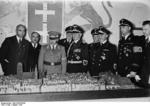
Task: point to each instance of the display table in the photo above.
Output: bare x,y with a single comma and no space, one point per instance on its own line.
77,95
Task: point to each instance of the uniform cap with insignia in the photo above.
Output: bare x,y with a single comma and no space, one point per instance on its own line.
103,30
54,35
95,31
69,29
77,29
125,22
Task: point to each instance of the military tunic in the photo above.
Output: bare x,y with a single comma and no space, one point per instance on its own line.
130,54
52,60
102,57
77,57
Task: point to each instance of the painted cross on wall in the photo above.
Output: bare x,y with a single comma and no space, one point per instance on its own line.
43,17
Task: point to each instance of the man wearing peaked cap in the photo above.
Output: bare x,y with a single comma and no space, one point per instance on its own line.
67,41
130,52
77,54
52,57
95,35
102,54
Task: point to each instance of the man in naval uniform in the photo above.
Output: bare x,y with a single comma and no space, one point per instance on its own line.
77,55
103,54
66,41
130,52
52,57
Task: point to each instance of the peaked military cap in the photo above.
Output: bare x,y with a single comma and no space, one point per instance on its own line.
125,22
95,31
54,35
102,30
69,29
77,29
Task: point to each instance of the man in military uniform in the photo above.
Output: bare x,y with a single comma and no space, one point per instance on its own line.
77,55
130,52
52,57
103,54
66,41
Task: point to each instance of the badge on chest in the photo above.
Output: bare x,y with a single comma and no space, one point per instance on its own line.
77,50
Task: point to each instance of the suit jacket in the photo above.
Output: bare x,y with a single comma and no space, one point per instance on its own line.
11,53
145,72
33,54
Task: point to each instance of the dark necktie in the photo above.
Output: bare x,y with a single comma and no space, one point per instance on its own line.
34,45
19,41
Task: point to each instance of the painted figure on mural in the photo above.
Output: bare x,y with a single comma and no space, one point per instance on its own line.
85,10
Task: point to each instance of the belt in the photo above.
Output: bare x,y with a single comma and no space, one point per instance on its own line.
74,62
52,63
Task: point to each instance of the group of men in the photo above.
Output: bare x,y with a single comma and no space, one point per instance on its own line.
16,49
73,55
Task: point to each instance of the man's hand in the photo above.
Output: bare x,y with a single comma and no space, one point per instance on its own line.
137,78
132,74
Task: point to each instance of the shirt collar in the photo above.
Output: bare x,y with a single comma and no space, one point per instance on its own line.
53,46
76,41
34,45
18,38
127,36
104,42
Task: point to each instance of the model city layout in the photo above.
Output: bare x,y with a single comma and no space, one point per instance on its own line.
64,83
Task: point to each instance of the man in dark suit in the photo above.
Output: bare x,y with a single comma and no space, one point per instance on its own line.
77,55
102,53
145,72
34,49
14,50
66,41
130,52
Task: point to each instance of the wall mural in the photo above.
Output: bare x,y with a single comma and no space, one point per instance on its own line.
88,14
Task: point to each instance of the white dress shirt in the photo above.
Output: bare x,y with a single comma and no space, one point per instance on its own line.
34,45
18,39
